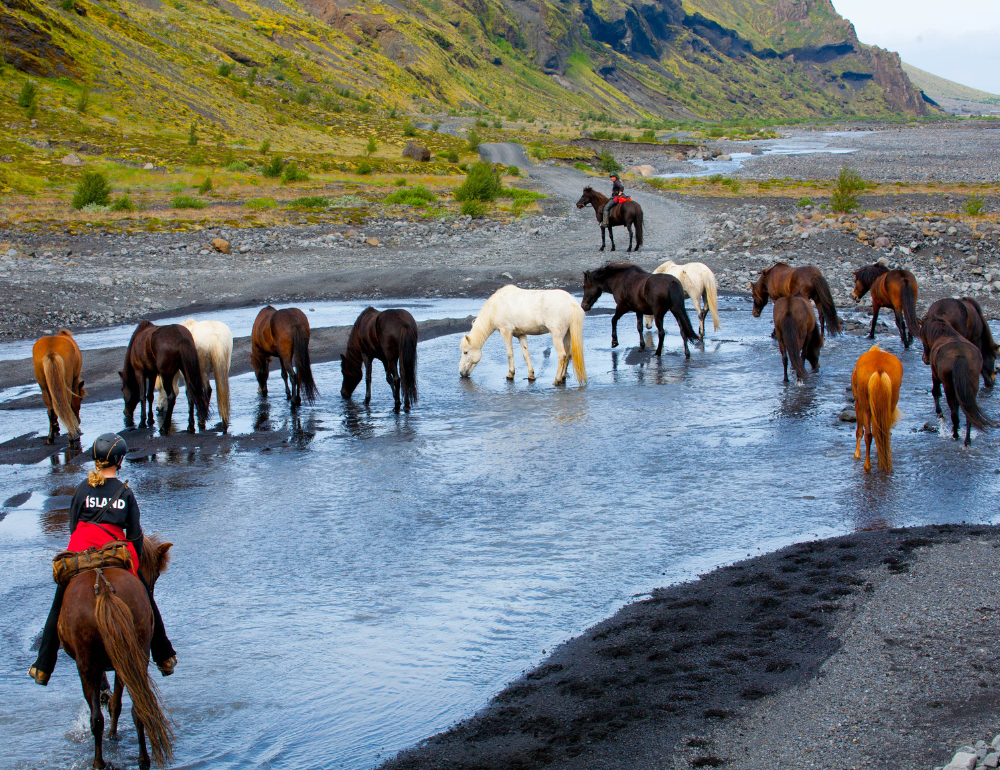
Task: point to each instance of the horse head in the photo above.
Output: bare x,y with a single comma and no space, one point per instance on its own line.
760,296
586,198
592,290
154,559
990,364
351,369
864,277
130,390
470,356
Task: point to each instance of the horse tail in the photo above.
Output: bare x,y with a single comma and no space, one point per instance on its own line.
883,417
961,380
712,297
221,354
191,369
576,344
793,346
55,381
408,362
638,226
824,300
300,352
680,312
117,629
908,298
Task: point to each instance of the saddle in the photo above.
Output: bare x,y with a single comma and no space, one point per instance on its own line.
68,564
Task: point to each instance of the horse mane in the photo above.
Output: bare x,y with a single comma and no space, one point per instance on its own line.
613,268
938,327
869,273
151,561
352,353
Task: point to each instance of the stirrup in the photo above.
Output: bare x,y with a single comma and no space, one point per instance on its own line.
40,677
167,666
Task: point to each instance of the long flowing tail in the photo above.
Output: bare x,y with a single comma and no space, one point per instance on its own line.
712,295
576,345
638,228
55,381
191,369
130,661
883,417
680,312
824,300
408,362
961,378
908,296
300,351
793,345
221,354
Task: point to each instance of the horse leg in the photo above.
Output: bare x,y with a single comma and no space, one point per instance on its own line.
559,342
91,681
284,377
392,377
662,334
368,378
611,235
784,358
953,407
702,312
187,391
602,239
168,414
629,228
140,734
508,340
936,392
875,309
115,708
901,326
527,359
150,397
619,312
868,447
262,376
858,433
53,426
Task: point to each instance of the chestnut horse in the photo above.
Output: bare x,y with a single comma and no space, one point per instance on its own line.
285,334
58,363
890,288
956,364
624,215
797,333
781,280
106,622
161,351
642,293
875,382
391,337
966,317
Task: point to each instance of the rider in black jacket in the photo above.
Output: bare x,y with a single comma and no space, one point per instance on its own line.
617,189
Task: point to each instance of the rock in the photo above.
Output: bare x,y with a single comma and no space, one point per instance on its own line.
72,160
415,151
882,242
962,760
221,244
148,167
995,743
930,427
585,134
372,241
848,415
244,249
13,253
643,170
862,235
533,231
725,157
884,261
991,760
952,230
352,233
805,235
904,250
105,281
6,158
508,276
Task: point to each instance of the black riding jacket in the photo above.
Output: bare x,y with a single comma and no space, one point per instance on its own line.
617,188
124,512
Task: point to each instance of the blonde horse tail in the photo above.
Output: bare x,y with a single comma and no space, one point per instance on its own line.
880,404
55,381
576,344
712,295
130,661
221,354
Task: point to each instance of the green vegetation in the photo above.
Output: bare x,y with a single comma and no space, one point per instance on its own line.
581,166
974,206
401,182
187,202
273,168
303,97
371,146
607,163
122,203
803,202
522,195
93,188
715,179
205,186
237,165
473,208
83,101
473,140
225,69
482,183
309,203
363,168
513,171
409,129
846,190
261,204
265,147
293,173
193,134
418,195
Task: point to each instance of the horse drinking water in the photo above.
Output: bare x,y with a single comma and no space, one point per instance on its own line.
285,334
797,333
781,280
391,337
875,383
627,215
214,342
966,317
699,284
890,288
58,362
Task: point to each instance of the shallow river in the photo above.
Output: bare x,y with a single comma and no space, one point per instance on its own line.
340,599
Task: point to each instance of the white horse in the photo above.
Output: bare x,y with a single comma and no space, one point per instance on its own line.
214,342
517,313
699,283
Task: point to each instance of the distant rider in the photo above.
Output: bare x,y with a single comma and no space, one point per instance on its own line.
119,522
617,192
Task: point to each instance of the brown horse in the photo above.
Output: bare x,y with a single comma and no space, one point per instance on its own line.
642,293
956,364
797,333
875,383
966,317
890,288
627,215
106,622
391,337
161,351
58,363
285,334
781,280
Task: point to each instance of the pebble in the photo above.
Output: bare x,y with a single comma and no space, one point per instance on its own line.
848,415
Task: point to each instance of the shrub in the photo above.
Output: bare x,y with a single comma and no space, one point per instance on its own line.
66,5
363,168
205,186
229,157
418,195
273,169
122,203
845,191
498,123
293,173
409,129
237,165
474,209
28,96
225,69
260,204
197,158
187,202
265,147
513,171
252,77
581,166
364,107
482,123
83,101
435,125
371,146
452,156
481,184
974,206
649,135
473,139
625,136
401,182
309,202
93,187
281,120
732,184
607,163
303,97
522,195
95,208
803,202
715,179
193,134
393,112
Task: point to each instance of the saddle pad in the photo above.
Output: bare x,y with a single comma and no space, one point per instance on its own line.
68,564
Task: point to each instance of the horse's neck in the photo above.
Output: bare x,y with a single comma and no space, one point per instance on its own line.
598,201
483,326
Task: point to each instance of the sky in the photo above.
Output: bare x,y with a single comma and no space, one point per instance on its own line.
958,39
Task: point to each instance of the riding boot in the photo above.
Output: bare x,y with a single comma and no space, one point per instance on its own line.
160,647
48,652
607,212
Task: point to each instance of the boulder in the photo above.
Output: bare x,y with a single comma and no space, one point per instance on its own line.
221,245
72,160
372,241
724,157
415,151
882,242
148,167
643,170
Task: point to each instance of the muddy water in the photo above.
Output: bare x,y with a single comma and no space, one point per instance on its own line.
380,578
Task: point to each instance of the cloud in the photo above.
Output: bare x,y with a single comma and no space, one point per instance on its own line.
972,59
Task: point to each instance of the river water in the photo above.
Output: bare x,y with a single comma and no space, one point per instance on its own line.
384,575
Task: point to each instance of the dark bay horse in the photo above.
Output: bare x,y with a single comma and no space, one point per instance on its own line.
391,337
890,288
781,280
797,333
642,293
956,364
285,334
627,215
966,317
58,363
161,351
106,622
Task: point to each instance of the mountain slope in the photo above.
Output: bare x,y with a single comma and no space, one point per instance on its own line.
941,88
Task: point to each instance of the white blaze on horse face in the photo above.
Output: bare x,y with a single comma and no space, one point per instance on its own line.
470,357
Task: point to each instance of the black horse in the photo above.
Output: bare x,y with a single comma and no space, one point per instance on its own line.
391,337
627,215
642,293
966,317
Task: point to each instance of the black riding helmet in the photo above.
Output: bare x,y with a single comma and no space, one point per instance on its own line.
110,449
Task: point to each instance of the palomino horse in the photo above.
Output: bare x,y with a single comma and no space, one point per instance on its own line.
58,363
517,313
890,288
161,351
797,333
106,622
956,364
624,215
699,284
642,293
966,317
875,382
214,342
780,280
391,337
285,334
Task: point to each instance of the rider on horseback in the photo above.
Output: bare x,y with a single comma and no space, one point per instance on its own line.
94,521
617,193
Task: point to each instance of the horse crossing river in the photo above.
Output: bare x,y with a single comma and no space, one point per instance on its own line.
382,575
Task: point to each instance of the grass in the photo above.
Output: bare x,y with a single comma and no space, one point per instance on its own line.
803,202
261,204
418,195
311,202
518,194
473,208
187,202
